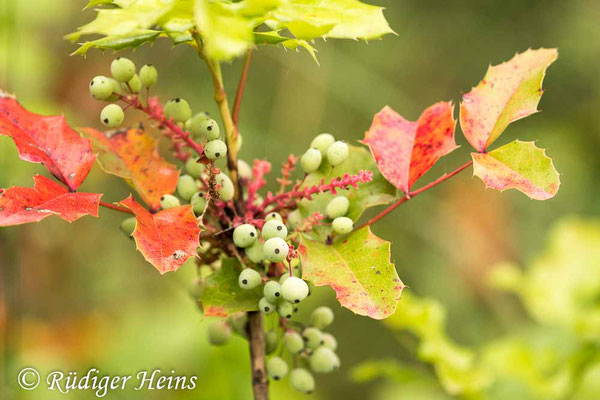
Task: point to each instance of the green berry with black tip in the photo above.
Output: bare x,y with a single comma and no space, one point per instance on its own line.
122,69
323,360
169,201
186,187
277,368
112,115
311,160
178,109
101,87
215,149
342,225
135,84
244,235
255,252
321,317
219,333
209,128
271,341
273,215
128,225
274,228
329,341
302,380
226,189
322,142
194,168
194,124
337,153
266,306
198,202
272,291
294,290
293,342
249,279
285,309
337,207
276,249
148,75
313,337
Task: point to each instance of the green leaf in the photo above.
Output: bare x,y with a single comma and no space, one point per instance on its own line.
358,269
518,165
274,38
119,42
222,294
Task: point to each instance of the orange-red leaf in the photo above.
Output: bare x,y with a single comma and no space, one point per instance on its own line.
133,155
166,239
20,205
405,150
48,140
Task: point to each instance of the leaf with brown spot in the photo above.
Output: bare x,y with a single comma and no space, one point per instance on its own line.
166,239
404,150
133,155
21,205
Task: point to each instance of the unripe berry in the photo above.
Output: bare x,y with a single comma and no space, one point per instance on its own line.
249,279
194,168
293,342
302,380
274,228
266,306
186,187
178,109
112,115
272,291
244,235
285,309
323,360
128,225
101,87
116,90
169,201
329,341
210,129
311,160
321,317
271,342
238,322
337,153
294,219
219,333
122,69
194,124
215,149
276,249
148,75
294,289
255,252
313,337
342,225
273,215
226,189
337,207
244,170
198,203
322,142
277,368
135,84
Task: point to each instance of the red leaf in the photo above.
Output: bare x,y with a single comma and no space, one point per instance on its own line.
48,140
166,239
20,205
405,150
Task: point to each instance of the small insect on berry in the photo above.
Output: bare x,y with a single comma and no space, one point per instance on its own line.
342,225
302,380
294,289
337,153
215,149
178,109
322,142
311,160
244,235
277,368
276,249
148,75
274,228
249,279
169,201
210,129
266,306
101,87
112,115
122,69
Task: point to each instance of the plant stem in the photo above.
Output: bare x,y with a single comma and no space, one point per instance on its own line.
260,384
410,195
237,102
116,207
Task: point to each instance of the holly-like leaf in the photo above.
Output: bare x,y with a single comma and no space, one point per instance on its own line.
166,239
358,268
274,38
518,165
508,92
120,42
133,155
222,294
48,140
405,150
21,205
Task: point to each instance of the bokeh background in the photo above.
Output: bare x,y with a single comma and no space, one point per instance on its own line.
79,296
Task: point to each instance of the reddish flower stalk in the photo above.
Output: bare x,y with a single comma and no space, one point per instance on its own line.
286,171
259,170
310,222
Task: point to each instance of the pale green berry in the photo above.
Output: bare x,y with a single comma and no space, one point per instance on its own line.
244,170
215,149
148,75
293,342
276,249
271,341
285,309
277,368
135,84
321,317
322,142
186,187
178,109
122,69
116,90
255,252
302,380
205,271
210,129
294,219
273,215
329,341
226,189
244,235
198,202
342,225
337,207
266,306
219,333
238,323
112,115
194,168
169,201
249,279
323,360
101,87
274,228
311,160
313,337
128,225
337,153
294,289
272,291
194,124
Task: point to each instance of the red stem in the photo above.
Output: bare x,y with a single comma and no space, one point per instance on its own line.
237,102
116,207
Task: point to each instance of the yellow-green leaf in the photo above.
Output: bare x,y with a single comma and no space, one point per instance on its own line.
119,42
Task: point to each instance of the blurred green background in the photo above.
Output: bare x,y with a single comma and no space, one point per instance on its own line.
76,297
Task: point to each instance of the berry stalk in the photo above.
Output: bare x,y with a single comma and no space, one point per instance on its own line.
260,384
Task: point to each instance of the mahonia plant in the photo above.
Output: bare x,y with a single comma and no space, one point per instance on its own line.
261,253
